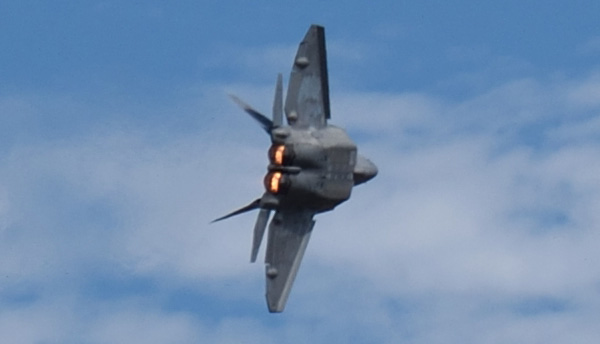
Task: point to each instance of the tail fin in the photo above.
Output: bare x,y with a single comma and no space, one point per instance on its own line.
278,103
259,231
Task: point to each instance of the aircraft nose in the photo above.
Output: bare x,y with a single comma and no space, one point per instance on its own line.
364,170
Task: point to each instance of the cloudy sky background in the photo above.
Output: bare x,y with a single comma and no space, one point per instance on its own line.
118,145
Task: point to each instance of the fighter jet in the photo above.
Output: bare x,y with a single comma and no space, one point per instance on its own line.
313,167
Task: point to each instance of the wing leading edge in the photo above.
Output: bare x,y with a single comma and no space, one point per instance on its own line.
289,233
307,101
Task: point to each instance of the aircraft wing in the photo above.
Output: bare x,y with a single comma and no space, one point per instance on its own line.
307,101
289,232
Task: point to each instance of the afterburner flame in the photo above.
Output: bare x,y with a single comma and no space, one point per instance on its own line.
274,184
279,155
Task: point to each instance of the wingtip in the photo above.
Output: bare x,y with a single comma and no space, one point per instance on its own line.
275,306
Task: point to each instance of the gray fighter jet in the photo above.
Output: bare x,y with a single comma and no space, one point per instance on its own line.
313,167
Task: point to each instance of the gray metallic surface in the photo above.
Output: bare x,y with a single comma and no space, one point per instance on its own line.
364,170
289,233
259,230
307,102
278,103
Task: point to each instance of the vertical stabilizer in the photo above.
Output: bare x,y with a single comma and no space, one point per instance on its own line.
259,231
278,103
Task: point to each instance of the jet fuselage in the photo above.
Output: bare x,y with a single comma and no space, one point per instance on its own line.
311,167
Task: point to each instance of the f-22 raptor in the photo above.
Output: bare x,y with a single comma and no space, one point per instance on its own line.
313,167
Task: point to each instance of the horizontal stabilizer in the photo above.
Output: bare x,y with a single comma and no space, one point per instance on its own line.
264,122
254,205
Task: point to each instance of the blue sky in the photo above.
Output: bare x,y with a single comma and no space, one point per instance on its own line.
118,144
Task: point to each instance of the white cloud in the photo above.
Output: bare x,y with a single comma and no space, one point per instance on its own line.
587,93
481,226
455,215
136,325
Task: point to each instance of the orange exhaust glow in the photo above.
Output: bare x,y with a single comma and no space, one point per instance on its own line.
279,155
274,184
